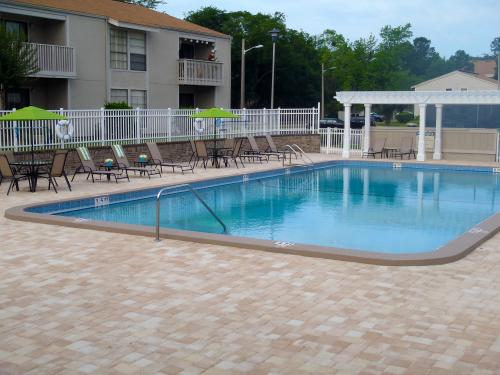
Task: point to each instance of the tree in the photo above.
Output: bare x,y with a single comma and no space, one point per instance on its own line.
298,71
17,61
461,60
152,4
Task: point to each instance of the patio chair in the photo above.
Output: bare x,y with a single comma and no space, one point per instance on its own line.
158,160
8,172
192,159
255,152
234,154
202,154
88,166
57,169
123,163
377,148
406,148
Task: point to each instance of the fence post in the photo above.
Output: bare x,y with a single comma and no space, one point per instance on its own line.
169,125
318,118
103,121
61,111
328,139
266,120
137,125
279,121
245,121
16,140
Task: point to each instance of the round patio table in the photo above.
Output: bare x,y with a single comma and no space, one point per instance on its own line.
33,170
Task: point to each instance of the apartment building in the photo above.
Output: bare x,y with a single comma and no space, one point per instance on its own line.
91,52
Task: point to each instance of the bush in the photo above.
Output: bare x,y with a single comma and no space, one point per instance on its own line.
117,105
404,117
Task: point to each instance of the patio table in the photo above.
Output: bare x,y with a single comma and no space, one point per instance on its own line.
216,152
33,170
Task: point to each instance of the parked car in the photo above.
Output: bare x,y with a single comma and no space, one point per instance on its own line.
331,123
376,117
357,122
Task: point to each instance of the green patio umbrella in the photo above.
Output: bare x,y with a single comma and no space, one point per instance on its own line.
215,113
31,114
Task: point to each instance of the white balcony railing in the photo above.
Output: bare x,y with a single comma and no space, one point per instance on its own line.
54,61
200,72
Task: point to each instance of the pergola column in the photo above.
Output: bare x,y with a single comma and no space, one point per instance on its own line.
366,145
346,150
437,140
421,132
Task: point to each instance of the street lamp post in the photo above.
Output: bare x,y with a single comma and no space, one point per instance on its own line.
323,71
243,53
274,36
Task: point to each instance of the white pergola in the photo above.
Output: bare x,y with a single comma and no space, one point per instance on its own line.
420,98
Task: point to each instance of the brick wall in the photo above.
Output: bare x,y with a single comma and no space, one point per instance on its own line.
177,151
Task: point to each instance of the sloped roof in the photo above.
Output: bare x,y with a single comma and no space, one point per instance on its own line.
472,75
117,10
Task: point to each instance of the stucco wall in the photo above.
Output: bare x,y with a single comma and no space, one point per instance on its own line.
88,36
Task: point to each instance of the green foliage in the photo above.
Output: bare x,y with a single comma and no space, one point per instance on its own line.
404,117
152,4
17,61
297,74
117,105
393,61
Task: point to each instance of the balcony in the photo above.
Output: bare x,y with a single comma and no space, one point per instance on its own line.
54,61
200,72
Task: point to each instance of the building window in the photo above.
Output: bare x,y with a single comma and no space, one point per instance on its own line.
16,27
463,89
448,89
137,43
118,48
119,96
138,98
128,50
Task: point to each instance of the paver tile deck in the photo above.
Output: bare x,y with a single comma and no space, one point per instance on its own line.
74,301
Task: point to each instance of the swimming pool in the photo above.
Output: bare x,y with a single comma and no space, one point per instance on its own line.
397,210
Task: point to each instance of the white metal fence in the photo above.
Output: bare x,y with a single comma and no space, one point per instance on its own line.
332,141
104,127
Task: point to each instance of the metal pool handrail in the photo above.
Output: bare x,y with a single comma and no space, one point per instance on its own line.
298,151
195,193
303,153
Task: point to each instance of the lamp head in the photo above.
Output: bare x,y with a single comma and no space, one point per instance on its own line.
274,35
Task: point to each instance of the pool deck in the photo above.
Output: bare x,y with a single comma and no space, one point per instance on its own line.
75,301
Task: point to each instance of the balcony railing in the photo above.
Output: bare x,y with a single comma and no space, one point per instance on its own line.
200,72
54,61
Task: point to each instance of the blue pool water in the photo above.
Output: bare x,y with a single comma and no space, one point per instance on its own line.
361,207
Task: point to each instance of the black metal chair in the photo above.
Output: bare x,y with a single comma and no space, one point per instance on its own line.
10,173
57,169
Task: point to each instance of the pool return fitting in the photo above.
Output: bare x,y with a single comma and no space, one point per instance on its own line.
196,194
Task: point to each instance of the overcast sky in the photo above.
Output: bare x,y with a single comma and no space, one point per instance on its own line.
470,25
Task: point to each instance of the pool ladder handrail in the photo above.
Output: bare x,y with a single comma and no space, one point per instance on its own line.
195,193
298,151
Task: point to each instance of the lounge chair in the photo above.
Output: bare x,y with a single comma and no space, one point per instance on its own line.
234,154
57,169
10,173
377,148
272,148
158,160
406,148
88,166
255,152
123,163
